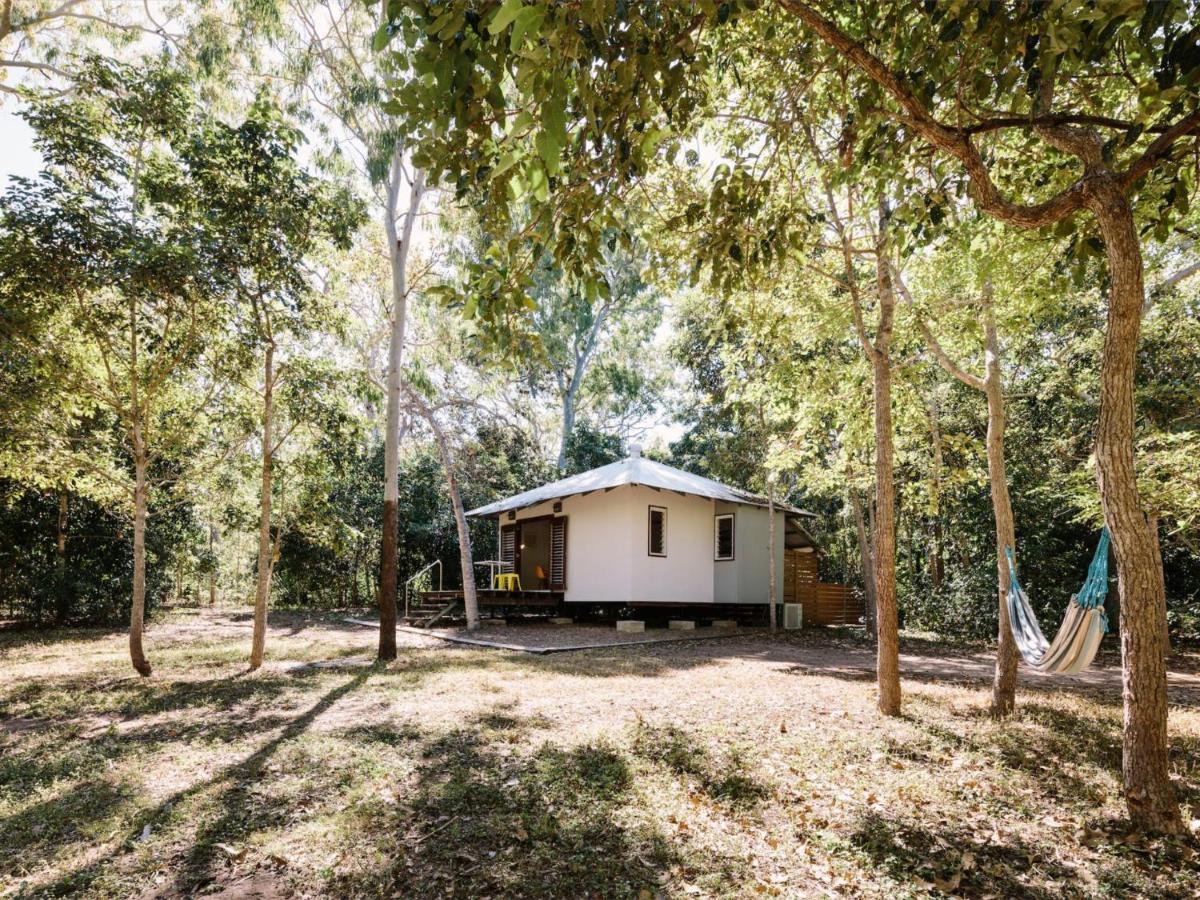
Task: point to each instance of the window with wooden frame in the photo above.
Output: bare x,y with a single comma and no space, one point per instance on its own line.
723,537
656,531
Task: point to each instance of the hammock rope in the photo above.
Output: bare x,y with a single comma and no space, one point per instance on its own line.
1083,626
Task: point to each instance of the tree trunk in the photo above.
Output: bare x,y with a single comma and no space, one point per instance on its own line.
1153,520
1004,683
138,614
568,425
470,597
398,247
262,590
772,592
866,558
884,541
212,560
62,595
354,575
178,577
1145,764
937,565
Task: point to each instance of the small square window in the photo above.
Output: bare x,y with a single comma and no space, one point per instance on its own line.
656,543
723,537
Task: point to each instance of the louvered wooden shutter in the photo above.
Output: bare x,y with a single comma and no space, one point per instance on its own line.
508,548
558,555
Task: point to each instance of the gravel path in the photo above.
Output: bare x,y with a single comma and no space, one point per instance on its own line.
547,638
809,652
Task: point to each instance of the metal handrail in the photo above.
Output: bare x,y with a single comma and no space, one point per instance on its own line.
436,562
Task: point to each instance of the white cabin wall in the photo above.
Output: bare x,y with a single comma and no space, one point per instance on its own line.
726,588
607,559
754,566
599,545
745,578
685,574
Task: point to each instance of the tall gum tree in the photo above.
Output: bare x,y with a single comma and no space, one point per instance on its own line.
991,385
271,217
337,65
133,273
1126,136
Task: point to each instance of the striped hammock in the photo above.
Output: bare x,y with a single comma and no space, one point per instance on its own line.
1083,627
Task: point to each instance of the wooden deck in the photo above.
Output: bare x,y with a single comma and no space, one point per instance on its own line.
489,597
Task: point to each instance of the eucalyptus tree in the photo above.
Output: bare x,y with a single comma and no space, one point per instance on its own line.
958,282
430,414
41,41
133,283
269,218
336,68
1069,114
593,346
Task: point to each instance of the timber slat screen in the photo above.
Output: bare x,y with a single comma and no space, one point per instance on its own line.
824,604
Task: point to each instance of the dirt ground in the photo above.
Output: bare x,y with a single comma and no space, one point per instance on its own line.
835,652
745,766
546,636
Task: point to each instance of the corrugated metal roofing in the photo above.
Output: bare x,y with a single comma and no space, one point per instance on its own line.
634,469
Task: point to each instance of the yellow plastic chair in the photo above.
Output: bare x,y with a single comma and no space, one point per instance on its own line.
508,581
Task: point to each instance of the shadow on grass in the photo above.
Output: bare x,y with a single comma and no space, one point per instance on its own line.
1057,757
482,821
42,829
905,850
729,779
133,698
18,642
236,817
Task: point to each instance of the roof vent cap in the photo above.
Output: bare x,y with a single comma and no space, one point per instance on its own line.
635,451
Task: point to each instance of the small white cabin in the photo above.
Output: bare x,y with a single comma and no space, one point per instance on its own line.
640,533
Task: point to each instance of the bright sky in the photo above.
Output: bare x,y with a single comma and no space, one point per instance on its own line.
17,156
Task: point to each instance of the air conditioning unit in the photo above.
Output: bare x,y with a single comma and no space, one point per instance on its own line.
793,616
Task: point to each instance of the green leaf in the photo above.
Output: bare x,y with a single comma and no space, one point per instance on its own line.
507,161
528,20
548,149
382,37
554,118
508,11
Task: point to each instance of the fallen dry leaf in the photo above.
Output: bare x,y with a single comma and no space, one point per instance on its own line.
948,885
232,852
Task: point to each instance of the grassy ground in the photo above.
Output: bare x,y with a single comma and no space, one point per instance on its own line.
746,767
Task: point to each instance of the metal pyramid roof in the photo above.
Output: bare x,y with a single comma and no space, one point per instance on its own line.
635,470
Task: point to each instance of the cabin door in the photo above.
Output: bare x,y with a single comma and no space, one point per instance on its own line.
536,550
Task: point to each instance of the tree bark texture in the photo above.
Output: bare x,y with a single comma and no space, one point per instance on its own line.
262,588
470,596
1149,793
772,589
884,539
568,425
1004,681
399,241
137,615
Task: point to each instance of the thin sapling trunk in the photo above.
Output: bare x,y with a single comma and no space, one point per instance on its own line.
262,588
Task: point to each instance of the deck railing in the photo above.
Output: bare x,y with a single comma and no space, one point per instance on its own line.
419,573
